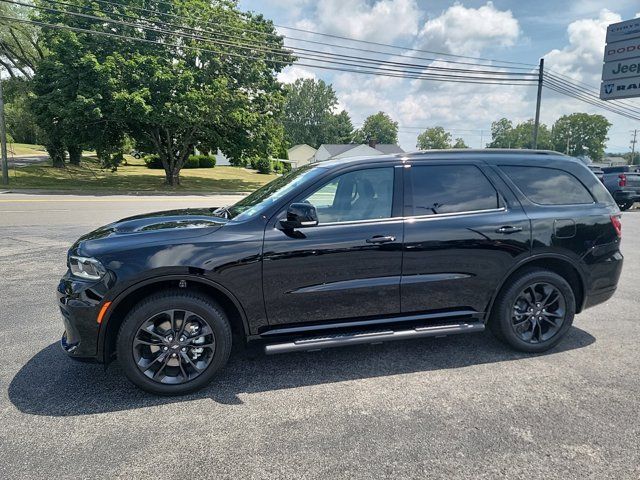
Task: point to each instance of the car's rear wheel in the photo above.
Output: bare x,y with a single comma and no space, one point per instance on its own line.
534,311
625,205
174,342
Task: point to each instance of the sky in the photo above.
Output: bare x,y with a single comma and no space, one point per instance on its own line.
569,35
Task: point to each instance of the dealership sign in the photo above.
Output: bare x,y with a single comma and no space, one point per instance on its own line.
621,69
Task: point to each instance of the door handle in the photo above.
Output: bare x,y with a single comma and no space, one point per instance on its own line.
381,239
508,229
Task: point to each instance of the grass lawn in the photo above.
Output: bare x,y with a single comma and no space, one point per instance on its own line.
134,177
25,149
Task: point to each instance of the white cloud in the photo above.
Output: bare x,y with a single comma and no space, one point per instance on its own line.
291,74
467,31
582,57
381,20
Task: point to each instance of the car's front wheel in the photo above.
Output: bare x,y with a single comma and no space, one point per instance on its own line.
174,342
625,205
534,311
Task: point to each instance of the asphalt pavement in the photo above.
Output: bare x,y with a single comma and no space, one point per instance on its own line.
457,407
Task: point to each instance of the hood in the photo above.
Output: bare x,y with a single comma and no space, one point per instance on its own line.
156,226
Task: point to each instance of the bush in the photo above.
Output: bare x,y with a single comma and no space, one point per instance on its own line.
204,161
194,161
153,161
263,165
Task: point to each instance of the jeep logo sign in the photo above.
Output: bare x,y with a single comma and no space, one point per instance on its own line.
621,68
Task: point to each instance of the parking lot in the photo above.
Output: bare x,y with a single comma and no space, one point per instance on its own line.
457,407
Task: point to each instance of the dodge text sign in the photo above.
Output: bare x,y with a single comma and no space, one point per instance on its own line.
621,69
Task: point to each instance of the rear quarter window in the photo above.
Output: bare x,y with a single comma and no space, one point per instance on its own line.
548,186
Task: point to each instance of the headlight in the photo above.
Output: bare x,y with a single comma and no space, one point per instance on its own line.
87,268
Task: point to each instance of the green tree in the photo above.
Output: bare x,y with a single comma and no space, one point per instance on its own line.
340,128
501,134
20,49
168,98
435,138
459,143
581,134
309,114
21,123
379,127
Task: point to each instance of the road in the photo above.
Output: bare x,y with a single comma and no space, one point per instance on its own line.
25,160
458,407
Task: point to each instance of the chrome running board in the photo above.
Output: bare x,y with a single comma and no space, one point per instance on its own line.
375,336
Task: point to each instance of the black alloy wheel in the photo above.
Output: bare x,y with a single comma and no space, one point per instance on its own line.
174,342
534,310
538,312
174,346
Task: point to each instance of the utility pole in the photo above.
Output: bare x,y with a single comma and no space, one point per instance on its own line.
633,147
539,100
481,138
3,141
568,141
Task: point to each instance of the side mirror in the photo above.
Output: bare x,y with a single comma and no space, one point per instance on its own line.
300,215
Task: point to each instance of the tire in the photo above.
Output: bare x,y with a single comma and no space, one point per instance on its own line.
195,318
513,327
625,205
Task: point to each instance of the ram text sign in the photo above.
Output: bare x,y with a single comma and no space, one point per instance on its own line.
621,69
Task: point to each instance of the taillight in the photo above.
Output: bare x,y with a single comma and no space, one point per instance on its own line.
617,225
622,180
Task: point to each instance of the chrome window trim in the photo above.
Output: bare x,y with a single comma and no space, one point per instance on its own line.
418,217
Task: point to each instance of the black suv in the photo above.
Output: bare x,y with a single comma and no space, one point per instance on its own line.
348,251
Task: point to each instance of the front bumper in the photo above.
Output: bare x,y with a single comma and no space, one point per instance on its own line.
80,304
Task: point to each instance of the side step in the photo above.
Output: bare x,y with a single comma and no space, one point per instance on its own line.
376,336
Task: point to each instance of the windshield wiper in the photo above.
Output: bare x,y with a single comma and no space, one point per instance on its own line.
222,212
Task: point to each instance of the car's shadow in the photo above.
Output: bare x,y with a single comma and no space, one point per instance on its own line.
51,384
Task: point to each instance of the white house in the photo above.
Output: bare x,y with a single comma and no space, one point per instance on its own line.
327,151
300,155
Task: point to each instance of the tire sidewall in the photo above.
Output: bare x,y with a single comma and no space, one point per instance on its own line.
202,306
503,318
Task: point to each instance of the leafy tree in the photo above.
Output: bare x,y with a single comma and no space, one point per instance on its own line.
308,114
459,143
379,127
20,50
505,135
581,134
435,138
340,128
168,98
21,123
501,134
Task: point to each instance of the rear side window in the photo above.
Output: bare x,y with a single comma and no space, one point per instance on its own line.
439,189
548,186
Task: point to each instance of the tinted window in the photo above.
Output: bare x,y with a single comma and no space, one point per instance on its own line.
360,195
548,186
450,189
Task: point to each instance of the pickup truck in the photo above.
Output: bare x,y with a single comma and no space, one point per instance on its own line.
623,183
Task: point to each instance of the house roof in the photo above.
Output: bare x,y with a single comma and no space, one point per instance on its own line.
338,148
300,145
388,148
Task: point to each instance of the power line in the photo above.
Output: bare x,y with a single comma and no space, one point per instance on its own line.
308,54
358,68
339,37
315,42
585,97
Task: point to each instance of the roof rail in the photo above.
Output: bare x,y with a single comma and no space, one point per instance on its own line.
510,151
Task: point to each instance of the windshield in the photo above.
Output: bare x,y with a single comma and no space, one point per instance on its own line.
265,196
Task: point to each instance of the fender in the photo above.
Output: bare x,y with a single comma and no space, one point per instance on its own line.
532,258
136,286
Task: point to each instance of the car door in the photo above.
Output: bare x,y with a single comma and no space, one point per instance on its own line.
349,265
463,231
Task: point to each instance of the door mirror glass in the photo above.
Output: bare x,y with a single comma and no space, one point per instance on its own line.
300,215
